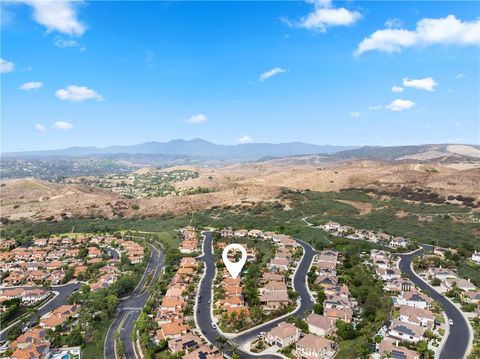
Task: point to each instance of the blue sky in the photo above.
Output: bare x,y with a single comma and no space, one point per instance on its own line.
104,73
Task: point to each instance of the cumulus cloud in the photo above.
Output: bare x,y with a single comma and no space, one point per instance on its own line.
375,107
76,93
33,85
324,15
58,16
62,125
427,84
6,66
400,105
397,89
41,128
355,114
199,118
245,139
270,73
428,32
459,76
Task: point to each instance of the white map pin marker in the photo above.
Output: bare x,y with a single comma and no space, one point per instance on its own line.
234,268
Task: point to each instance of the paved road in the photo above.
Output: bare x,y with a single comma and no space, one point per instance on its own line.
203,314
64,292
458,338
129,310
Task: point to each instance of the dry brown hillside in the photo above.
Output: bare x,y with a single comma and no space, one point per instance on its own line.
234,184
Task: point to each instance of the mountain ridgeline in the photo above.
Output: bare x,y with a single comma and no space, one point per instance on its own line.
192,148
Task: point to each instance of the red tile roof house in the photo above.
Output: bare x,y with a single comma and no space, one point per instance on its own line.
337,290
422,317
405,331
388,349
328,256
94,252
267,277
15,277
33,351
326,269
345,314
171,304
326,280
320,325
272,287
185,343
188,262
283,335
171,330
314,347
59,316
9,294
274,300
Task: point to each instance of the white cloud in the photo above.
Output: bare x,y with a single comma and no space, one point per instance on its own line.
325,15
41,128
199,118
68,43
270,73
375,107
62,125
355,114
427,84
245,139
58,16
393,23
34,85
397,89
78,94
459,76
400,105
443,31
6,66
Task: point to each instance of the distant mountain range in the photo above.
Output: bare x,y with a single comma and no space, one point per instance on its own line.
192,148
198,150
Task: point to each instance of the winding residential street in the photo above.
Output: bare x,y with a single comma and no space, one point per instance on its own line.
203,310
63,291
130,308
458,339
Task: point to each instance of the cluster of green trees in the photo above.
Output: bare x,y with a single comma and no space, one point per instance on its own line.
368,291
12,310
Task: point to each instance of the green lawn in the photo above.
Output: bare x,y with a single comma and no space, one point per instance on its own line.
349,349
94,349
